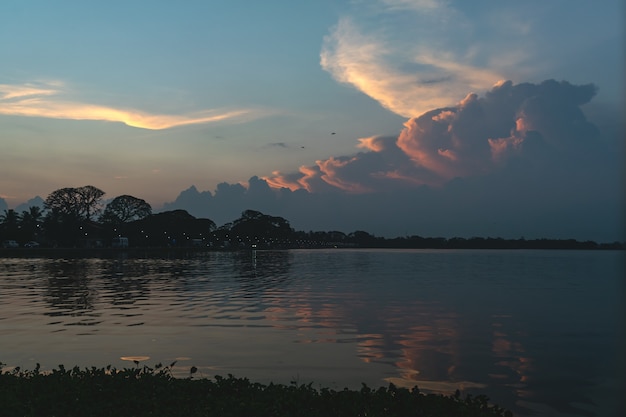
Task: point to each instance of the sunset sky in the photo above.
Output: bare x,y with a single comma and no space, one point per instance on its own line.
398,117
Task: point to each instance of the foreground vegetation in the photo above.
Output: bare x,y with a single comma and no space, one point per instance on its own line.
145,391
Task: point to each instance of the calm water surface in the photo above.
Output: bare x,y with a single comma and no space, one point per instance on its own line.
539,332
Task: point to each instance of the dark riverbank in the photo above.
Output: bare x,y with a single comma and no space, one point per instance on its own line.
97,252
426,243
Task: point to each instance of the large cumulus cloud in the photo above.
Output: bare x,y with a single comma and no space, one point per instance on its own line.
536,122
522,160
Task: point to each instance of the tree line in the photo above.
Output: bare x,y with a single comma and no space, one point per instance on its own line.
77,217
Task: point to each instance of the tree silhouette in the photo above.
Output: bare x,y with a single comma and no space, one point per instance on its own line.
81,203
9,224
10,217
169,228
63,202
254,226
89,201
124,209
69,210
31,220
361,238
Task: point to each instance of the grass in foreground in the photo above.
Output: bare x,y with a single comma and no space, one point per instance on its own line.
155,392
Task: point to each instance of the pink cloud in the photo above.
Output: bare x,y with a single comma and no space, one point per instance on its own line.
331,170
373,143
473,138
278,180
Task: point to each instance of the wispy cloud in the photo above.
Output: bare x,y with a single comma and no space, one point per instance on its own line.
414,70
425,80
8,92
46,100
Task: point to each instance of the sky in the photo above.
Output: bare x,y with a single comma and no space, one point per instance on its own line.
397,117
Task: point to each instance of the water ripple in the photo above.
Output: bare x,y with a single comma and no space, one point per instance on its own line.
506,321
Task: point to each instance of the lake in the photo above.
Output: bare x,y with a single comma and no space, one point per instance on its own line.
539,332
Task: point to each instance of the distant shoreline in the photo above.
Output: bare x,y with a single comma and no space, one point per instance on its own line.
139,251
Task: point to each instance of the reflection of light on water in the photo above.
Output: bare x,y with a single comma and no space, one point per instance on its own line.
135,358
511,354
442,387
370,347
524,368
430,349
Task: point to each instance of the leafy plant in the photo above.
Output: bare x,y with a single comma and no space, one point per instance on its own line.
153,391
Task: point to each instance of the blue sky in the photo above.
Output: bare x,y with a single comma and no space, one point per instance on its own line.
150,98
